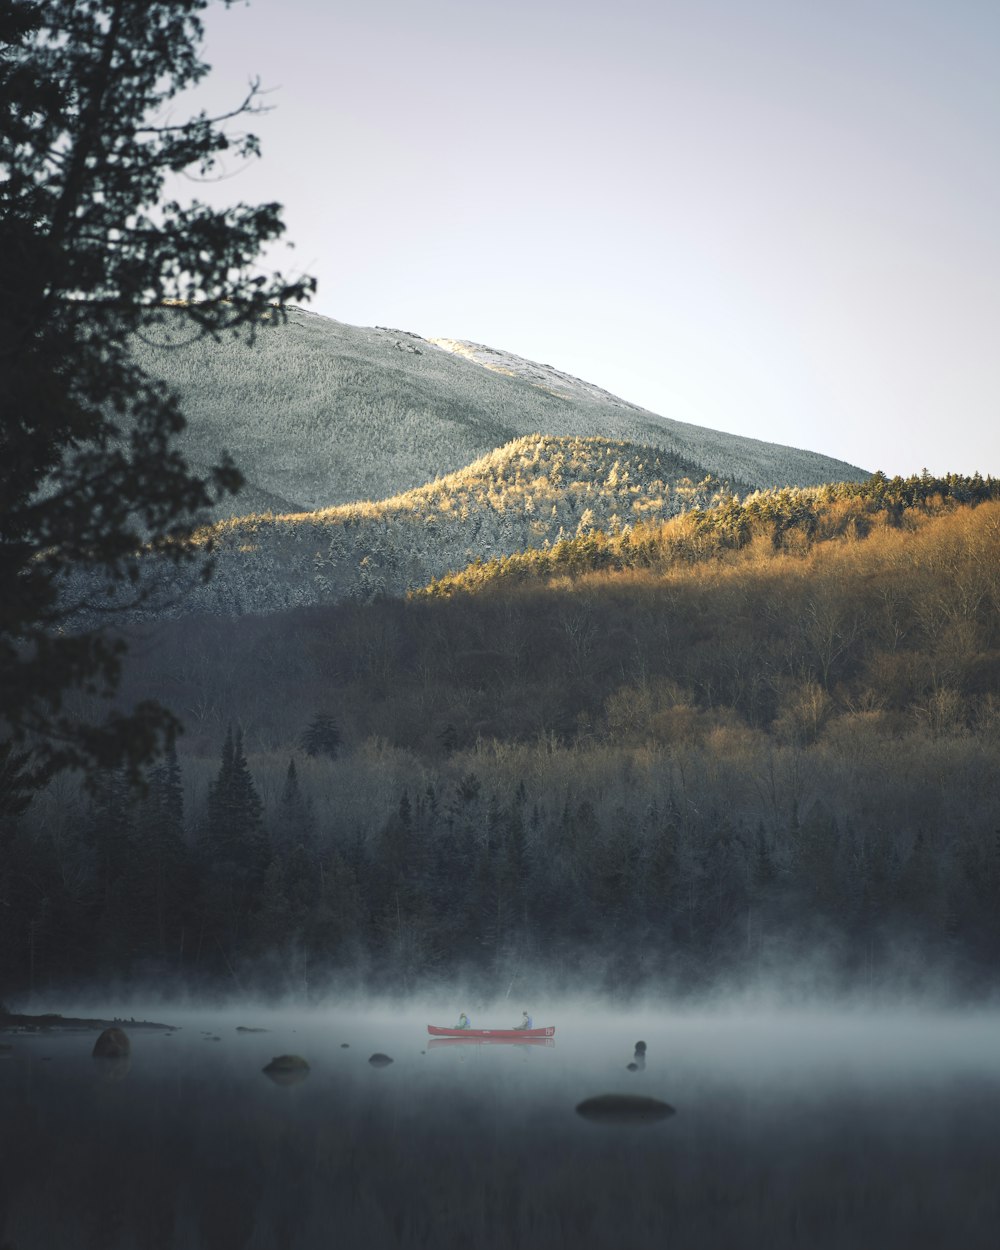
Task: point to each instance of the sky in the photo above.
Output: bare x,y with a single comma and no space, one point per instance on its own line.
778,218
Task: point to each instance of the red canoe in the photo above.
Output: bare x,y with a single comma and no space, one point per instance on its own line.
492,1040
510,1035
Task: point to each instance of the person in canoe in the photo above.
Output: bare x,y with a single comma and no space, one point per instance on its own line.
463,1022
525,1021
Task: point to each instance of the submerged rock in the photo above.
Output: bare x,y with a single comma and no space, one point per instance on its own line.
345,1045
624,1109
112,1044
242,1028
378,1060
632,1067
287,1069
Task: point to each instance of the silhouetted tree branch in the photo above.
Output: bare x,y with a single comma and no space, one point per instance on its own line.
93,254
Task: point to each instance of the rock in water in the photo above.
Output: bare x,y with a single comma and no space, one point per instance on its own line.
112,1044
632,1067
640,1048
378,1060
287,1069
624,1109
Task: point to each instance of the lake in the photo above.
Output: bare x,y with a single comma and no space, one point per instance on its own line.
793,1128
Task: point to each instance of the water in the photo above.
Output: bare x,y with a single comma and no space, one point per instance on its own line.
791,1129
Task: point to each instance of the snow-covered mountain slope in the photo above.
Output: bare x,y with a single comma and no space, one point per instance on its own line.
530,493
319,413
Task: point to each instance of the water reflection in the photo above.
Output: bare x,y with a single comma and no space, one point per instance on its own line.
287,1070
624,1109
437,1042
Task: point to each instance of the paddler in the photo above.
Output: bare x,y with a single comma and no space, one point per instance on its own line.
525,1021
463,1022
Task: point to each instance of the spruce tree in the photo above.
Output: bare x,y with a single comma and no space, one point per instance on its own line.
234,850
235,829
293,824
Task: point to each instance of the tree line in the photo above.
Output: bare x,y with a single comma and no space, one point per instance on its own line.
782,755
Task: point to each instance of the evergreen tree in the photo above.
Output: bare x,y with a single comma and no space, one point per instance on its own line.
235,826
109,832
235,848
321,737
293,824
161,851
90,471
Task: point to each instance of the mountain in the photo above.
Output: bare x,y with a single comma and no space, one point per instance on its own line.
376,460
319,413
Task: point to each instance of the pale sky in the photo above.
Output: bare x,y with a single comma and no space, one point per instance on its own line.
779,218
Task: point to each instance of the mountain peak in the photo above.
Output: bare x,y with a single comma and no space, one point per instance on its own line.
319,413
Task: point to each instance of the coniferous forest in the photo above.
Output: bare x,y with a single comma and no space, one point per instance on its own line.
758,740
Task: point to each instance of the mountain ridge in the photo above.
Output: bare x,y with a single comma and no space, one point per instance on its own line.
321,413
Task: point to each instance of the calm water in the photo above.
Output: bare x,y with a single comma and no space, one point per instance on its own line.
792,1129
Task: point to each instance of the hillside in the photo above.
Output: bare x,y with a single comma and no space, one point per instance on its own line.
531,493
753,738
319,413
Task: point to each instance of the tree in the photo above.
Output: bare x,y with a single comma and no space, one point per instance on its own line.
93,254
234,847
235,827
321,736
293,820
160,886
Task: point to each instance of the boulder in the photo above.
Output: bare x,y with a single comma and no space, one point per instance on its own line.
378,1060
113,1043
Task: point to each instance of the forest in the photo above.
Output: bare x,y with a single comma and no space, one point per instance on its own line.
758,740
531,493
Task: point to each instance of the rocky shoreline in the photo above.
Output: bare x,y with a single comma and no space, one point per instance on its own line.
15,1023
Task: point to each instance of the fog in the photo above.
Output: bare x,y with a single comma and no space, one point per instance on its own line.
827,1125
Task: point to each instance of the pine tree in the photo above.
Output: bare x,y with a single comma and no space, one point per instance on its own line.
235,826
234,848
293,823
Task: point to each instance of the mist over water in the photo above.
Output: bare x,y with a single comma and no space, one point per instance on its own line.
793,1126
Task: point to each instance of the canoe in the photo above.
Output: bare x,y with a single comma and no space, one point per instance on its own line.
510,1035
436,1043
